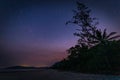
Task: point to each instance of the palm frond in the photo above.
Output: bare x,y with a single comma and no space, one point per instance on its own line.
94,42
115,37
104,34
112,33
98,34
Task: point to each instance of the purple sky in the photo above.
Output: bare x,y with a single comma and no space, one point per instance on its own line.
33,32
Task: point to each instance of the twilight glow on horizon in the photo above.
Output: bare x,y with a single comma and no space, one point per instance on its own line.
33,32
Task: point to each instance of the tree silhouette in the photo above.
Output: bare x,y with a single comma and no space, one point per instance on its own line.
87,24
96,50
88,32
103,37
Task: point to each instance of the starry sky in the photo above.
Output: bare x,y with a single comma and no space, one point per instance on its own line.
33,32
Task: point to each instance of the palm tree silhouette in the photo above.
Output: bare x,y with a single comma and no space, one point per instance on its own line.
103,37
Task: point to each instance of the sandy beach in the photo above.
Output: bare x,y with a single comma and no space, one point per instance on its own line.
49,74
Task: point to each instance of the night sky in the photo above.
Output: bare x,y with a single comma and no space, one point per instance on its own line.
33,32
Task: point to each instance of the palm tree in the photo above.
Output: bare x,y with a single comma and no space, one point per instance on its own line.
103,37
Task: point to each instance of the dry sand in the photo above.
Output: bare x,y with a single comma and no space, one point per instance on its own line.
49,74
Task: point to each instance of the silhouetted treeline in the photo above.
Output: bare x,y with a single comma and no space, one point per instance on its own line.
98,59
96,50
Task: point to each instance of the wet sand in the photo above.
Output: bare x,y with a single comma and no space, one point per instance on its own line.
49,74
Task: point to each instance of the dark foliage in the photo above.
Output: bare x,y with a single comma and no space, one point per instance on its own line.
97,59
96,51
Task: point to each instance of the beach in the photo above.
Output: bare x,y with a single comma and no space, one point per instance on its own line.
50,74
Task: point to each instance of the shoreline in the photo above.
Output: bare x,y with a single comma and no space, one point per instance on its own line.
51,74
